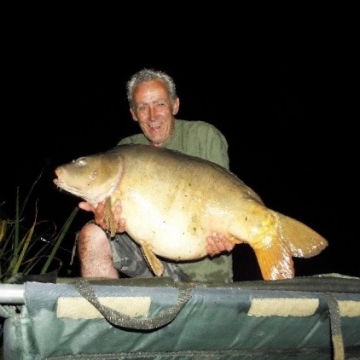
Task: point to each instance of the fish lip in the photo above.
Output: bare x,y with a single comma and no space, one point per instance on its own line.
58,183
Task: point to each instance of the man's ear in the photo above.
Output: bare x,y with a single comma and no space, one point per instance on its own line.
133,115
176,106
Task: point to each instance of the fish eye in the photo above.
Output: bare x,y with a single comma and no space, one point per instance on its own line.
82,161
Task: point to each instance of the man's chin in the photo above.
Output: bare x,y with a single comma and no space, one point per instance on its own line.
156,140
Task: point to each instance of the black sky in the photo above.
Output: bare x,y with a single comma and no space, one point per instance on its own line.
281,95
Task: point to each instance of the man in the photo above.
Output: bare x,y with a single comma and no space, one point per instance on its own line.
153,104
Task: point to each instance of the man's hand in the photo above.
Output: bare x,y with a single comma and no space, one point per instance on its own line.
99,214
86,206
218,243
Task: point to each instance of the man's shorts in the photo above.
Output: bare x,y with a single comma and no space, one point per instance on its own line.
129,259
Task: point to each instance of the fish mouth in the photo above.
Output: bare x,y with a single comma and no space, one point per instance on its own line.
88,193
63,186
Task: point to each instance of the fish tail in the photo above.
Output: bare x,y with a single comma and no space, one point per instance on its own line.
273,255
302,241
278,240
275,261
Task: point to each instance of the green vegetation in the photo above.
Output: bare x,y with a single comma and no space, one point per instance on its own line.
29,249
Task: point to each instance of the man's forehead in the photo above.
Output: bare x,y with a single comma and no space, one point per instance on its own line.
149,93
151,86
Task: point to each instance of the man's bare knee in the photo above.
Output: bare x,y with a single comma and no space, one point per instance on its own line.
92,234
95,253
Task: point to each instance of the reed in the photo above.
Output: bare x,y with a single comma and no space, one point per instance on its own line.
29,249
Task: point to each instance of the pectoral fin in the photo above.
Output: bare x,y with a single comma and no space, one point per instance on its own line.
109,217
154,263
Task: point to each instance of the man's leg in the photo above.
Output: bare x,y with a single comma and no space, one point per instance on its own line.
96,260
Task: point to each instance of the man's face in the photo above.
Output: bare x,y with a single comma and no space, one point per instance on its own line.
154,111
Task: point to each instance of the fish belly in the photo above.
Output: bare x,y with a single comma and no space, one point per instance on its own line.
172,203
170,232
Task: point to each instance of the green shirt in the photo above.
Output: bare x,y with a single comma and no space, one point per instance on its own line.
198,138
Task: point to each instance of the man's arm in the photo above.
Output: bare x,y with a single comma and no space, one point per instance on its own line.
217,152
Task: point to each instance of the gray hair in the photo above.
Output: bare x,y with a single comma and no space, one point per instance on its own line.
147,75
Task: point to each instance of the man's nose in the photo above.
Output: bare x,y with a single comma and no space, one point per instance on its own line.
152,113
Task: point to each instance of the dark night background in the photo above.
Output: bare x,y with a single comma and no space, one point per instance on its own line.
280,83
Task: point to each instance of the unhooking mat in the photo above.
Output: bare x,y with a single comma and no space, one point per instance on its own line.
310,318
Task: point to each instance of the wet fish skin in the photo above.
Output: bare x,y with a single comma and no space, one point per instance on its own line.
172,202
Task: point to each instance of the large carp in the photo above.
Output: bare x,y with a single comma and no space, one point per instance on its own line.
171,202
